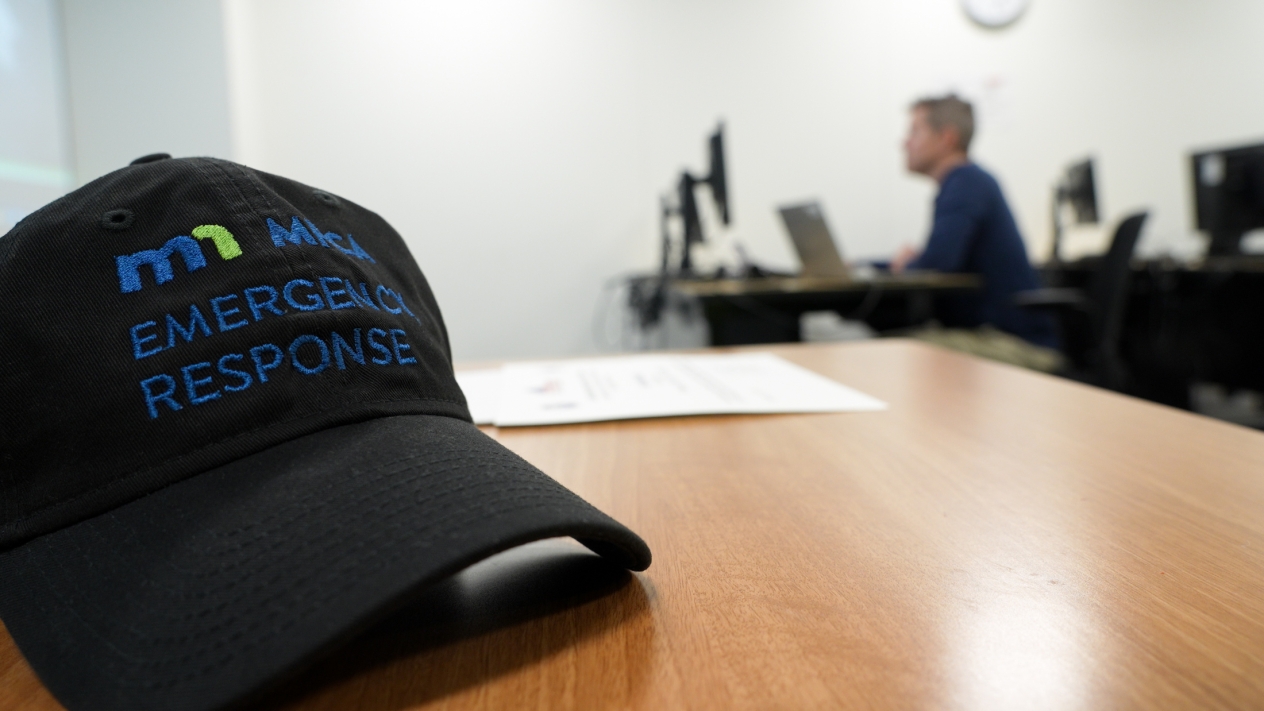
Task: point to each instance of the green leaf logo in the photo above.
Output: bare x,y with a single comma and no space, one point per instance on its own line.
223,239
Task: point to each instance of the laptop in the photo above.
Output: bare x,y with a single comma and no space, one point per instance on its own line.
811,237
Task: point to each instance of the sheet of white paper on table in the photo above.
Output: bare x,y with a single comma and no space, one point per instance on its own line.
629,387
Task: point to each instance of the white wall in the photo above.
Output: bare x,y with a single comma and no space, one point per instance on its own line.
35,156
520,146
145,76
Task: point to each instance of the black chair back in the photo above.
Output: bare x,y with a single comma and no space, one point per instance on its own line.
1108,296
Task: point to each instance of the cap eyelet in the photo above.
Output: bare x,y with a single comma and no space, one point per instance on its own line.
326,198
119,219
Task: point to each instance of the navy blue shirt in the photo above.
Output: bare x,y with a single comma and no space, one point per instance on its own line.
974,232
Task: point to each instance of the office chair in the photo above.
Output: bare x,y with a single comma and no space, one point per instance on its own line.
1103,303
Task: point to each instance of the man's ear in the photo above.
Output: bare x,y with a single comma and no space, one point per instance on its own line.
951,136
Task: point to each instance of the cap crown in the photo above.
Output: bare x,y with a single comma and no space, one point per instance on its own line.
177,315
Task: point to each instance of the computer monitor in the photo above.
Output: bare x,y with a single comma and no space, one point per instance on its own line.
1228,195
687,204
691,222
648,299
1078,190
717,179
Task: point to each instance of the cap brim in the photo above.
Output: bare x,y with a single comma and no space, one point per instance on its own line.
203,593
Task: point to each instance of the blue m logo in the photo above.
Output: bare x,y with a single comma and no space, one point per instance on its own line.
159,260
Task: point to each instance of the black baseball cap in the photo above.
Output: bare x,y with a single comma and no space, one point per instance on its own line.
231,438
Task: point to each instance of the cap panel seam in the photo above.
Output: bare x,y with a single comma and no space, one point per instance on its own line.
292,259
254,212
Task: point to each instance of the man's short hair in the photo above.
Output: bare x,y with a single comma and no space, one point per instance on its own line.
950,110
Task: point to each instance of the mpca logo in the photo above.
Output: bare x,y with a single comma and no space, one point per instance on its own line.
159,260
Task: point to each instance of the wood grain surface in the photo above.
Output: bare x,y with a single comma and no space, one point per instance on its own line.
996,540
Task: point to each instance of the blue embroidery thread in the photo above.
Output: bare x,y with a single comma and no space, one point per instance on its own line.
313,304
139,340
200,379
239,374
190,384
300,234
399,344
160,261
298,364
261,369
337,290
363,296
380,348
380,300
152,399
221,313
196,319
340,345
333,239
270,304
297,234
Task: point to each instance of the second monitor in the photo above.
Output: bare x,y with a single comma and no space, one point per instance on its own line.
1228,195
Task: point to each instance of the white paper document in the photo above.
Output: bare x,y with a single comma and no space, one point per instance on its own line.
629,387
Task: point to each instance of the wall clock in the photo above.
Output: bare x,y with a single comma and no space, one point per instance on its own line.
994,13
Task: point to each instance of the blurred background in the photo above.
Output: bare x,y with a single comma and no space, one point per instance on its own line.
521,147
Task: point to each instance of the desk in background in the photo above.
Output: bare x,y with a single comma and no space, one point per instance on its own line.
767,309
998,539
1184,323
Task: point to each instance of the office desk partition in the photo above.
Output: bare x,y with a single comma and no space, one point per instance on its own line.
767,310
997,539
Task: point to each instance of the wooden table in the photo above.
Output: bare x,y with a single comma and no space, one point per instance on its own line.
996,540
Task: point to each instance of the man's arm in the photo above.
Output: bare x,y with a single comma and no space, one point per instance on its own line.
903,259
951,237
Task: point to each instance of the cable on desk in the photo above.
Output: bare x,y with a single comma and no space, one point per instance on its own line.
648,301
606,299
870,302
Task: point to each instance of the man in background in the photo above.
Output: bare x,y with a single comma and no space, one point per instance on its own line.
973,232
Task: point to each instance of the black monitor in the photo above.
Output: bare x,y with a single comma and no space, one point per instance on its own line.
687,205
1078,190
716,179
692,223
1228,195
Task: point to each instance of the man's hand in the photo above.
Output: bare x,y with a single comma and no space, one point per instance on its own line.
902,258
